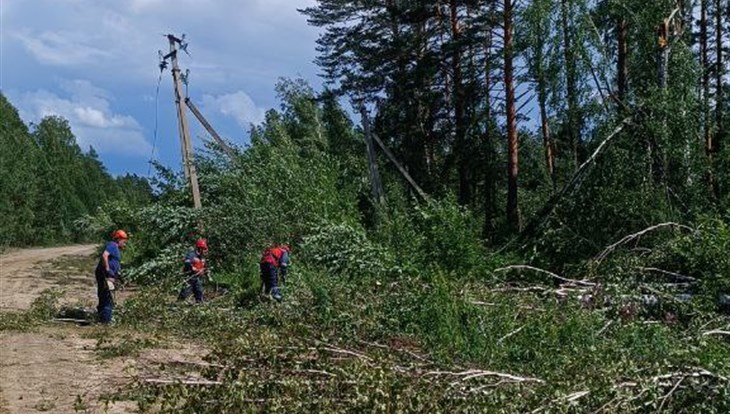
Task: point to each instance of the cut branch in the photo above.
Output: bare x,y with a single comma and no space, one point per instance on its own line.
669,394
515,332
333,349
606,326
478,302
630,237
716,332
536,269
666,272
475,373
701,372
183,382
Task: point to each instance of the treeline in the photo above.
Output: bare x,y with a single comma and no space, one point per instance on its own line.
47,182
500,102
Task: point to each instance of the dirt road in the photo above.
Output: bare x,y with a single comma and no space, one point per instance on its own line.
22,271
62,368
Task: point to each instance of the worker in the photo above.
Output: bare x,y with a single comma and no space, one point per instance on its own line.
269,265
195,270
108,273
284,263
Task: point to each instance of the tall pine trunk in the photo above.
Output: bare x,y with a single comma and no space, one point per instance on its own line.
623,54
460,139
570,79
547,141
490,187
705,68
513,212
719,100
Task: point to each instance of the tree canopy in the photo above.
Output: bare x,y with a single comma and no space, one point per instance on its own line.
47,182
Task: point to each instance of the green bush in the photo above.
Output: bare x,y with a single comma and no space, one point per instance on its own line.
347,253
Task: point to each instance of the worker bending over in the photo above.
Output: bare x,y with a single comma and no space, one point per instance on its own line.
195,270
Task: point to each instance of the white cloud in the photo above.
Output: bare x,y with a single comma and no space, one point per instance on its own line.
80,89
93,117
144,5
237,105
92,121
61,48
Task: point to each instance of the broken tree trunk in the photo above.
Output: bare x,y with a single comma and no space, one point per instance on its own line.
574,182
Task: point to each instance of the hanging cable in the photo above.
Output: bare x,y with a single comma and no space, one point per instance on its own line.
154,138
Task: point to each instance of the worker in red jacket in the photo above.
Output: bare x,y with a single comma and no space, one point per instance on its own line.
270,262
195,269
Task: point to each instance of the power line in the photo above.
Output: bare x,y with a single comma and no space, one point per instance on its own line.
154,139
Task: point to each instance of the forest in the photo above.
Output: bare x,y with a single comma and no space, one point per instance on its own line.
493,206
47,182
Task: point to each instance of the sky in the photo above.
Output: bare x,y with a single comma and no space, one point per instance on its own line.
95,63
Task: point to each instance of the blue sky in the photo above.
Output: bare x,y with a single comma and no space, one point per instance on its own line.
95,63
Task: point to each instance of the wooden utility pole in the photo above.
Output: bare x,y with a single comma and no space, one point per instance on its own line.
400,168
224,146
187,148
375,182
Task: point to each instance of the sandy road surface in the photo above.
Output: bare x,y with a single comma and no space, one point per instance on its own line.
21,274
57,368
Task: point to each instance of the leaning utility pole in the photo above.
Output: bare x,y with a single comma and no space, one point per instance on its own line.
376,184
187,148
208,127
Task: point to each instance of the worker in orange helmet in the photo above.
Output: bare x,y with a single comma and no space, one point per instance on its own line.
108,273
195,269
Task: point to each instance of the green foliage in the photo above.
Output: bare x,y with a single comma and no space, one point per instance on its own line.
47,182
449,237
18,186
346,252
43,308
126,346
702,254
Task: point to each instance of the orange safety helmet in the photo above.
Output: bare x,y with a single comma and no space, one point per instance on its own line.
119,234
201,244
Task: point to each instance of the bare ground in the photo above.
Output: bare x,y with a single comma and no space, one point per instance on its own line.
61,368
22,271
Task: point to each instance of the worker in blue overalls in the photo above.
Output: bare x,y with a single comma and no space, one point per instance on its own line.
108,274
